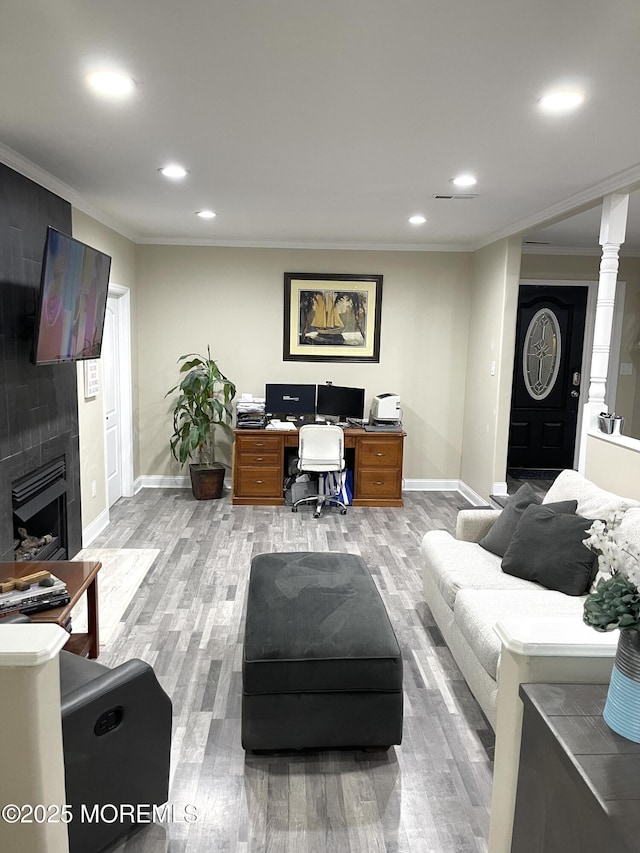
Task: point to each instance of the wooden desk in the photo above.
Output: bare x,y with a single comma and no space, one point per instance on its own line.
259,460
80,578
578,785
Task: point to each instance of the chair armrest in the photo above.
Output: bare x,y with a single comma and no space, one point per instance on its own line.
116,731
473,524
134,680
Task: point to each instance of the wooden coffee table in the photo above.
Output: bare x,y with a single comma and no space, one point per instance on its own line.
79,578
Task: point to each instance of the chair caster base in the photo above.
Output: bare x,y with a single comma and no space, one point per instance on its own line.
343,512
316,515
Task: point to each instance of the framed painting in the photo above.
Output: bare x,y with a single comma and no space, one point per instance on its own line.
332,317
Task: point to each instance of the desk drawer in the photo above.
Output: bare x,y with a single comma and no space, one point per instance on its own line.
258,443
254,481
382,452
256,459
379,483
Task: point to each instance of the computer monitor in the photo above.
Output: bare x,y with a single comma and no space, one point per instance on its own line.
340,402
290,400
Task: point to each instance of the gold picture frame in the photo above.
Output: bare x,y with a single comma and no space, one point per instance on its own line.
332,317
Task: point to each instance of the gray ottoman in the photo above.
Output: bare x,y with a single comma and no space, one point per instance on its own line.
322,666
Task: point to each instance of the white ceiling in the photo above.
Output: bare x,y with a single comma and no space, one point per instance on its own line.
326,122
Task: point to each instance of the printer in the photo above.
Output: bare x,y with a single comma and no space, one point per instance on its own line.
385,408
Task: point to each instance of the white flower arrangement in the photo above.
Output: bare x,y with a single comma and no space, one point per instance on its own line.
615,553
615,600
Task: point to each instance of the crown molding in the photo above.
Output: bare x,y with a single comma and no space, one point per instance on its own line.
560,250
626,181
309,244
35,173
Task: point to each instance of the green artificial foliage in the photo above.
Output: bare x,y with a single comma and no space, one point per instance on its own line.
204,403
615,603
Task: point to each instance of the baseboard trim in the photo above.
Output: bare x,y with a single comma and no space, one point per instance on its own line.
473,497
158,481
431,486
445,486
93,530
499,489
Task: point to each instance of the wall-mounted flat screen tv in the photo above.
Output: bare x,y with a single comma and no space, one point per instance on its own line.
72,301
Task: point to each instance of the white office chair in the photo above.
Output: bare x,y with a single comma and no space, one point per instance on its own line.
321,449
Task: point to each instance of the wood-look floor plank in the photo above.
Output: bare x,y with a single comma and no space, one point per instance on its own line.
429,794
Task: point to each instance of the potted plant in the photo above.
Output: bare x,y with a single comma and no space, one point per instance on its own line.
203,404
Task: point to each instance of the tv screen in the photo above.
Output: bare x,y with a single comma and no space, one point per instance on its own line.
73,298
290,399
340,402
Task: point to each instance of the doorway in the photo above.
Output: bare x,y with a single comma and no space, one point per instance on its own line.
547,378
116,361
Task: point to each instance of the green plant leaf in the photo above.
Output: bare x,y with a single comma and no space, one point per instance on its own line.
203,404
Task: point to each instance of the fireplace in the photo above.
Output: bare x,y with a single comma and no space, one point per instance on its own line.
40,513
40,492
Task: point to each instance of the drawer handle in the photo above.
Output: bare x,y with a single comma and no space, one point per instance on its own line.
259,482
380,454
259,443
259,458
378,482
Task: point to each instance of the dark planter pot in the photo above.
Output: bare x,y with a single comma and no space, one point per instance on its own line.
207,481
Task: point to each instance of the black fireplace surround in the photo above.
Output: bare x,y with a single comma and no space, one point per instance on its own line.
38,404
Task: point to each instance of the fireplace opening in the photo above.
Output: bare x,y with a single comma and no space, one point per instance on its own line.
40,513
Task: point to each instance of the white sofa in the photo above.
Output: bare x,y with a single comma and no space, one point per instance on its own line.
542,635
468,593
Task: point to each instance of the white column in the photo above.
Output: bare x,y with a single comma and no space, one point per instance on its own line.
32,768
613,226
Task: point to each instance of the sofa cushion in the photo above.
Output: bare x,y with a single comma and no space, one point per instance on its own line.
630,526
477,611
456,565
593,502
498,538
547,547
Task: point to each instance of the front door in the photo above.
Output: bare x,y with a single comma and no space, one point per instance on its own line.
546,376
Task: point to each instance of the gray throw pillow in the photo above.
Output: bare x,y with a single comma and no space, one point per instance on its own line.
499,535
547,547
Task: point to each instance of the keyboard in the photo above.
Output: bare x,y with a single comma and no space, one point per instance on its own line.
382,428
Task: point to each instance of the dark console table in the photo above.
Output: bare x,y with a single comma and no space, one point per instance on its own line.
579,782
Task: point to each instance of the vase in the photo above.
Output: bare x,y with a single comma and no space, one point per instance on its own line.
622,708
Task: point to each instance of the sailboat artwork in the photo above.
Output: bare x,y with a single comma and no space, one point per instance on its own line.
333,318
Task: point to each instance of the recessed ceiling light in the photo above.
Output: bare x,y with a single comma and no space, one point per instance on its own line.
111,84
418,219
561,100
173,170
205,214
465,180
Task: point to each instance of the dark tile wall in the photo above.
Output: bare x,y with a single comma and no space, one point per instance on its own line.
38,405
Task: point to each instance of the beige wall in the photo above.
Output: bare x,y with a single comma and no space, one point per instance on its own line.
91,412
232,299
494,297
614,465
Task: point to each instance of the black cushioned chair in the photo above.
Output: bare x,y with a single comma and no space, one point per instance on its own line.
116,730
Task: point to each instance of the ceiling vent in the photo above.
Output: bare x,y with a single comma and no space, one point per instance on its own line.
464,196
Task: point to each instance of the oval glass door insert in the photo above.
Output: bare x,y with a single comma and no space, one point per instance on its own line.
541,354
